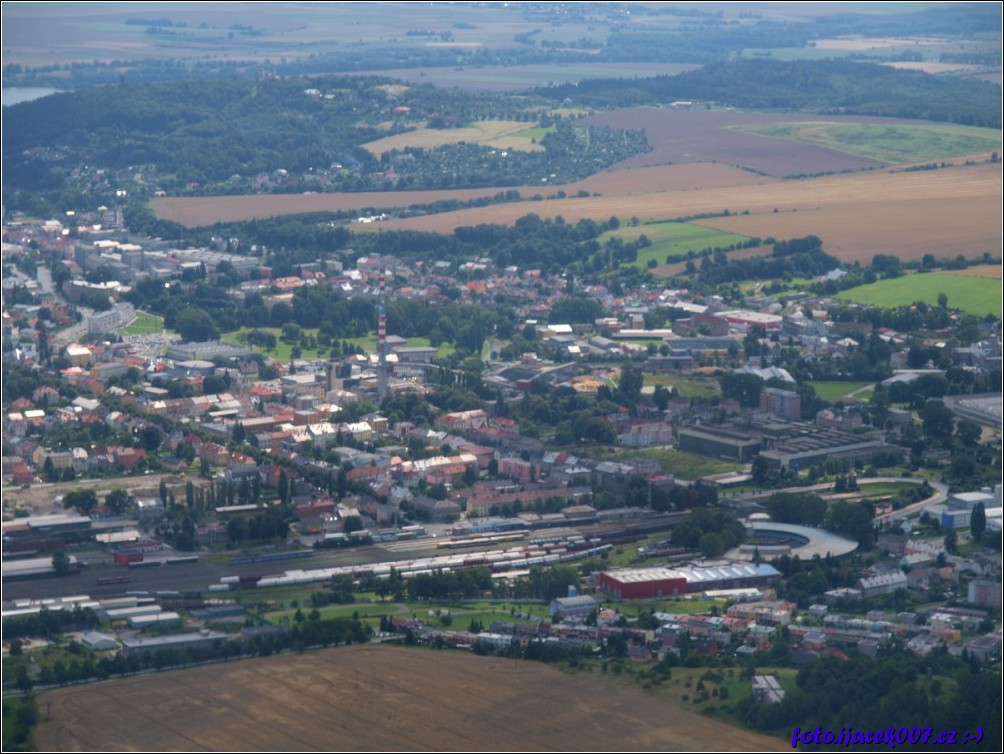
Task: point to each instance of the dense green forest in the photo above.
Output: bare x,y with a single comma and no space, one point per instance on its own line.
825,86
275,135
897,689
254,135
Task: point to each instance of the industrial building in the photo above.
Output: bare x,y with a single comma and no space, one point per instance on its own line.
565,608
641,583
42,533
176,642
719,442
814,445
733,576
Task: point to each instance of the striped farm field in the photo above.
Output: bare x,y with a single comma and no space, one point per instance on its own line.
380,698
975,295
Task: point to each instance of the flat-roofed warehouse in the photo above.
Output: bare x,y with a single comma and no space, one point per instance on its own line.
732,576
642,583
177,642
812,445
719,442
639,583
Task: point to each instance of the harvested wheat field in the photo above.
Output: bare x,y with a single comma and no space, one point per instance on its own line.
375,698
198,211
689,177
976,271
942,212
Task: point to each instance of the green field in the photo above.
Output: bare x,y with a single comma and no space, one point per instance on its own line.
834,391
979,296
369,343
283,350
462,613
684,465
813,53
687,385
888,143
671,240
144,324
536,134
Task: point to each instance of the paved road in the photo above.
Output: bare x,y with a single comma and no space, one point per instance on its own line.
940,495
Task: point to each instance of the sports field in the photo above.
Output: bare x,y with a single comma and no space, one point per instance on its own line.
144,324
378,698
975,295
835,391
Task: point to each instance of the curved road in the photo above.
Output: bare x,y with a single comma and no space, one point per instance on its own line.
940,495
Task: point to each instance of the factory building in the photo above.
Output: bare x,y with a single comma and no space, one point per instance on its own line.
642,583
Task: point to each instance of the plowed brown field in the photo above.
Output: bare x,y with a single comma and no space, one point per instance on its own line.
708,136
376,699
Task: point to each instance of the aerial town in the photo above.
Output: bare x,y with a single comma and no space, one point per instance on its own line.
192,472
662,447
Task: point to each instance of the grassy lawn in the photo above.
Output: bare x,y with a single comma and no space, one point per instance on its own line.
979,296
536,133
144,324
834,391
18,728
672,240
369,609
889,143
283,351
687,385
694,688
680,606
683,465
365,611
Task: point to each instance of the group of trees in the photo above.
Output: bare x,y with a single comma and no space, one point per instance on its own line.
712,531
936,692
183,134
305,633
825,86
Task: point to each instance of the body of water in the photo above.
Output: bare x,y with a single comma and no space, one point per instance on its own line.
17,94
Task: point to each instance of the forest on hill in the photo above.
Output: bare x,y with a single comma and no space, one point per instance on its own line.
825,86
